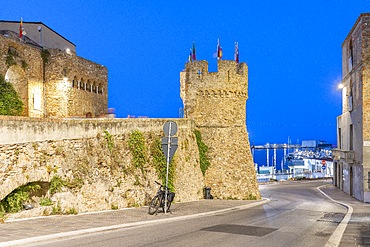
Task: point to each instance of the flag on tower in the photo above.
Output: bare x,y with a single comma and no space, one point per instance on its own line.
190,58
236,55
20,29
219,50
194,57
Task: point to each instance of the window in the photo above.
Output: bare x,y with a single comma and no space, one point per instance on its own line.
350,96
94,88
88,86
75,82
350,56
82,84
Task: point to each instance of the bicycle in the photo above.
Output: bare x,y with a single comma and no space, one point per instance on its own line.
159,200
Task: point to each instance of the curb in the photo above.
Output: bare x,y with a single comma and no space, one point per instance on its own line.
337,235
22,242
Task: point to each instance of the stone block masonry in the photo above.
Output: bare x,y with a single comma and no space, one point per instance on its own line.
216,101
77,151
60,85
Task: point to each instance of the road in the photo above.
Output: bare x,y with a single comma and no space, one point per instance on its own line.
297,215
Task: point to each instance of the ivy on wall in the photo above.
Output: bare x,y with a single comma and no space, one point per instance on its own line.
203,149
138,149
109,138
24,65
160,164
10,58
10,102
45,56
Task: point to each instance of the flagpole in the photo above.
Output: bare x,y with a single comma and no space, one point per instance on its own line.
20,29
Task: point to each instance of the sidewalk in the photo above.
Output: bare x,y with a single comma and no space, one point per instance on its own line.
20,232
357,232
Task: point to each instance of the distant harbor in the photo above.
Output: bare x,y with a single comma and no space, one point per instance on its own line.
311,159
285,177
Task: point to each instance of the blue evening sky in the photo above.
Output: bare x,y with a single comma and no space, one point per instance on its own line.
292,48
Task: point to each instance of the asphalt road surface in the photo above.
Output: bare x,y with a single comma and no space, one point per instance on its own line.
297,215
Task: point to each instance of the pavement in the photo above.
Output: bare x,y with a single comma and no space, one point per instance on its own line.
356,223
32,230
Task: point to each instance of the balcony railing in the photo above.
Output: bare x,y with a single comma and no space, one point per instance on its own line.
347,156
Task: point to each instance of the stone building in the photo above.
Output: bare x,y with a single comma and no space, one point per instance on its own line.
50,78
352,157
216,101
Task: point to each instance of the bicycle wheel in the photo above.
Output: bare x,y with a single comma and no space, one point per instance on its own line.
154,205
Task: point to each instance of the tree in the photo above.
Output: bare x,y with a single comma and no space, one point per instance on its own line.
10,102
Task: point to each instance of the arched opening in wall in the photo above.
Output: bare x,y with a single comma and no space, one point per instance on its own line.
26,196
100,89
16,76
82,84
94,87
74,82
88,86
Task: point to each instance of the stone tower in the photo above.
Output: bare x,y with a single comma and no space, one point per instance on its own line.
216,101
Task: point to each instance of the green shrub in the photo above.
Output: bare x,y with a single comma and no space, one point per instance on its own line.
10,102
13,202
252,197
56,184
45,201
72,211
109,138
57,209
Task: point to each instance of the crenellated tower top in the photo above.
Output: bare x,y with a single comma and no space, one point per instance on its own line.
215,98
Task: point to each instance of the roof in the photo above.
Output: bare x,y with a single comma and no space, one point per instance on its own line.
355,25
39,23
15,36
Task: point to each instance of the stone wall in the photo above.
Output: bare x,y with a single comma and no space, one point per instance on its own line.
25,71
77,150
77,86
67,86
216,101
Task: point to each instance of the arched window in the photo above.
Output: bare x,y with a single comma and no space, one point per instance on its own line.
88,86
74,82
82,84
94,87
100,89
